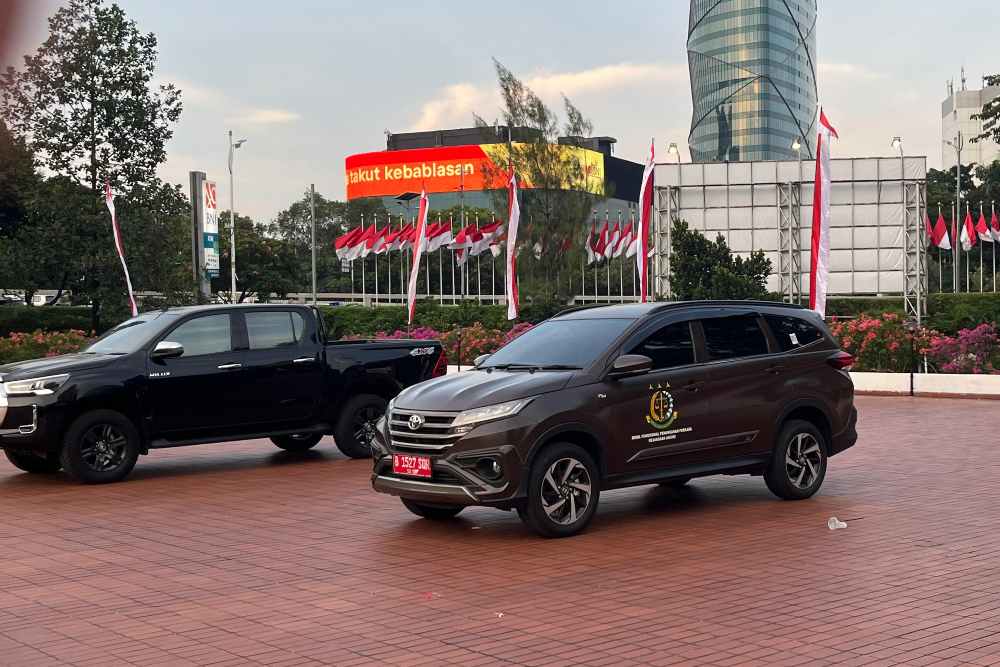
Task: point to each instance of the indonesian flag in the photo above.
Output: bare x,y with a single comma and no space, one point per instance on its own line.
820,265
928,230
491,233
601,243
984,231
359,249
401,238
634,243
377,242
419,245
438,235
645,218
591,239
625,241
995,224
614,236
969,237
343,244
465,243
109,199
940,235
513,218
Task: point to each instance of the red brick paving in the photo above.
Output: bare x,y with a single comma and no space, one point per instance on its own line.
240,554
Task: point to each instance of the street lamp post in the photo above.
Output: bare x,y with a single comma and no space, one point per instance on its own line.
232,216
672,149
956,257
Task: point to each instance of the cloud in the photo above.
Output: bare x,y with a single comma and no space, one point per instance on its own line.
455,104
202,98
847,71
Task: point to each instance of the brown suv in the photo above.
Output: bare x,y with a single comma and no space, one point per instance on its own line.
603,398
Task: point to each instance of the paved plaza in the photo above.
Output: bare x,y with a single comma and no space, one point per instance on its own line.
241,554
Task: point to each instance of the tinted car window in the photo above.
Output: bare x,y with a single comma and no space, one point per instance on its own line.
733,337
270,329
669,347
203,335
792,332
575,342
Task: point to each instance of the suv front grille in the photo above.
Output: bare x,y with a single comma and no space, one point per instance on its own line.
433,435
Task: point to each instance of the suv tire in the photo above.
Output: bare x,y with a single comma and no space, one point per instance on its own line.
359,414
798,465
101,446
34,463
432,512
300,442
563,477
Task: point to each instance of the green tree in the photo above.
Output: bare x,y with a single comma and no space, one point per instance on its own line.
941,188
563,193
702,269
990,115
87,104
264,265
17,180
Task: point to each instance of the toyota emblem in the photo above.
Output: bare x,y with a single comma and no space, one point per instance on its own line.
416,421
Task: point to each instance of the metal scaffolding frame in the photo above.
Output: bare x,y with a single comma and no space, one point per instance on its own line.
914,277
790,241
667,204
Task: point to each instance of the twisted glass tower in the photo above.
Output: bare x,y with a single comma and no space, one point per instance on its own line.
753,79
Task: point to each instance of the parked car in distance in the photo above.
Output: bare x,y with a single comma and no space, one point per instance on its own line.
602,398
202,374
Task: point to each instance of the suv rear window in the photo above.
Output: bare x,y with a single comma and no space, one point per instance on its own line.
734,337
792,332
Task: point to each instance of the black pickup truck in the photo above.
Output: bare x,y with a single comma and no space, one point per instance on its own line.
202,374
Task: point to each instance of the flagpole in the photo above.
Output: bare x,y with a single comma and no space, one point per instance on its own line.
993,214
982,250
364,284
375,253
493,264
968,285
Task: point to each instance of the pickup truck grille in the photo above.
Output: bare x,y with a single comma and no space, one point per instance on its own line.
434,434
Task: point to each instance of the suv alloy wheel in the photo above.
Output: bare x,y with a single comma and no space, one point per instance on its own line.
563,491
798,466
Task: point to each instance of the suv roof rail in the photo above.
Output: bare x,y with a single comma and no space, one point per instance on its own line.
726,302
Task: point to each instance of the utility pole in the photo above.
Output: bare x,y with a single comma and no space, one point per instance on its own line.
312,216
232,215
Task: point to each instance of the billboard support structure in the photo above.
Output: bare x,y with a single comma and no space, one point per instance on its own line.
913,250
204,235
790,242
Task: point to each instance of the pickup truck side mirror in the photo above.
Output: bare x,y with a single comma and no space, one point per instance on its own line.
166,349
478,361
629,365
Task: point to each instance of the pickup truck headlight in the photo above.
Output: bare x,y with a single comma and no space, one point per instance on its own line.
466,420
43,386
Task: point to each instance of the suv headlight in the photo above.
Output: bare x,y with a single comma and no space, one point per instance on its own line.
43,386
466,420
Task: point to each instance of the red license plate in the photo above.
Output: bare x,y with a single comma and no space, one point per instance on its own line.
414,466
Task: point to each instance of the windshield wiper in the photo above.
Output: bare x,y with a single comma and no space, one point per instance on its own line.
534,367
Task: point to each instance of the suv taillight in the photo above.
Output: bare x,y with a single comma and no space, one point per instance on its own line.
441,367
842,361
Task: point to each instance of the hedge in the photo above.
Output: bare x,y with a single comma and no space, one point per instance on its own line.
19,319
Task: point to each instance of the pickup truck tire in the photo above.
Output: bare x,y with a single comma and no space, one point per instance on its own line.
38,464
798,465
432,512
563,491
359,414
297,443
100,447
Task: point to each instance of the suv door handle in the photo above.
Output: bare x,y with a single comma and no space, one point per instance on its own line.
303,360
775,369
229,367
694,385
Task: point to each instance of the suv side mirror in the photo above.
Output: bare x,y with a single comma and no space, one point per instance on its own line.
478,361
166,349
629,365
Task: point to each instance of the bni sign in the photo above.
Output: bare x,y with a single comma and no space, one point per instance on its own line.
210,228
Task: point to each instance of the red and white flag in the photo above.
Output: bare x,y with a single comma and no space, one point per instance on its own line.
419,245
645,219
819,270
995,223
983,229
634,242
438,235
969,237
109,199
590,243
940,236
513,218
624,241
345,243
359,245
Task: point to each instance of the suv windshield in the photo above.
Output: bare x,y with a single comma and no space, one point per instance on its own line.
128,336
570,343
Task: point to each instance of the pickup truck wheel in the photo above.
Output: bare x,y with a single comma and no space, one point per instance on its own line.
432,512
100,447
798,465
563,490
356,426
38,464
300,442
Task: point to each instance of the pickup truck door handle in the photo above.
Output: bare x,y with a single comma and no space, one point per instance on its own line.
775,369
694,385
304,360
229,367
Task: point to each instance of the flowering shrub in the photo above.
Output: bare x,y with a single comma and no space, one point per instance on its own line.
20,346
971,351
882,343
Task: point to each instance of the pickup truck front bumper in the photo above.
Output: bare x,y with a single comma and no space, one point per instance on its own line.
28,423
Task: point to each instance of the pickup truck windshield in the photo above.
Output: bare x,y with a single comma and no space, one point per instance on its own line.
128,336
559,344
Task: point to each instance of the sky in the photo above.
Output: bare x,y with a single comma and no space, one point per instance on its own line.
308,82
